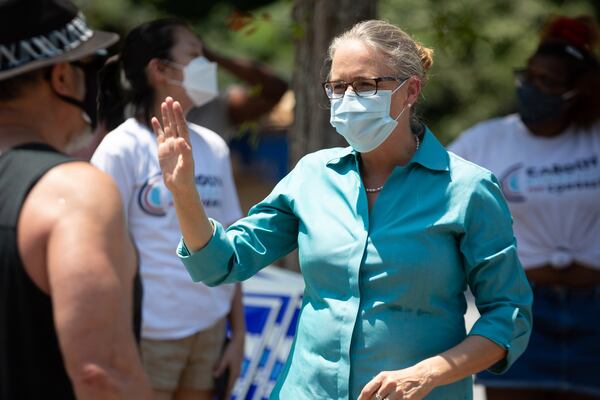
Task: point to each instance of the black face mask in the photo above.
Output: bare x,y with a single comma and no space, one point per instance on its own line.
535,106
89,104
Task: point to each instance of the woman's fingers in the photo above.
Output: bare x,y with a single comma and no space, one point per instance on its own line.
173,121
171,116
180,121
184,149
370,389
157,129
164,115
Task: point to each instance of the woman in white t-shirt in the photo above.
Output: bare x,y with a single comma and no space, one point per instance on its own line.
547,159
184,323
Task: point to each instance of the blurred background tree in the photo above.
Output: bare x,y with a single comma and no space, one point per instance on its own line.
316,23
477,43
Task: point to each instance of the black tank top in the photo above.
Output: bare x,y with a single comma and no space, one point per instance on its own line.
31,365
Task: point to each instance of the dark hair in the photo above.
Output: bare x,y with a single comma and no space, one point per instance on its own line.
14,87
575,41
123,80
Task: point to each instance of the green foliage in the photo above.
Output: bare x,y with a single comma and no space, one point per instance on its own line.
198,11
116,15
267,36
477,45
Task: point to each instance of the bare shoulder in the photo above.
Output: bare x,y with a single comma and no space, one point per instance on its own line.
72,200
76,187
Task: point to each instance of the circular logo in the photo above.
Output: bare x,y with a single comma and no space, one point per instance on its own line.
154,197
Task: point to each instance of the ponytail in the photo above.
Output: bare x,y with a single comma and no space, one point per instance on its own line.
124,85
112,96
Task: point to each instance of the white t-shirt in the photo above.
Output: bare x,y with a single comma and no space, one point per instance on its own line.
552,186
173,305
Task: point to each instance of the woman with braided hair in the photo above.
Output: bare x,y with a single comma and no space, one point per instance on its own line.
548,160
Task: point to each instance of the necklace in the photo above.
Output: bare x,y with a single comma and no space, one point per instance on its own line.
374,190
378,189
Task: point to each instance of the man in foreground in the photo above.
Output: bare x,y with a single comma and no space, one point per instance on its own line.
67,265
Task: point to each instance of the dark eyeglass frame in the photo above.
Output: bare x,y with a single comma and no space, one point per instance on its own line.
522,75
330,93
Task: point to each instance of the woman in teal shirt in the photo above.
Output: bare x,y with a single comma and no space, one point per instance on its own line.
390,231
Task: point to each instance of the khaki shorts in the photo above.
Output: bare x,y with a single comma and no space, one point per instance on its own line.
184,363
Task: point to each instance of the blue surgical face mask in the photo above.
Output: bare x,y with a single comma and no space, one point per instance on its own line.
364,122
535,106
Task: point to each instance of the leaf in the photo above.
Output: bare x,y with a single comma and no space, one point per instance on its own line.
238,20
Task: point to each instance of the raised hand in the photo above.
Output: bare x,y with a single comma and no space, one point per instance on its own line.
174,148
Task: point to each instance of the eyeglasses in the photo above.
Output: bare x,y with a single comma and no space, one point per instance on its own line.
363,87
544,82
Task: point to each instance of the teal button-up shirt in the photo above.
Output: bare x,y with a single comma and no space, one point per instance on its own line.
384,289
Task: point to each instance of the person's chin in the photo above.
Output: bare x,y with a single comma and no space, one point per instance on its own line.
546,128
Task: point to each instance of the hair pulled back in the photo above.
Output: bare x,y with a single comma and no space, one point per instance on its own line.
404,56
123,81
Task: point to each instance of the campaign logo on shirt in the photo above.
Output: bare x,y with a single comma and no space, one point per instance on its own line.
519,180
511,184
210,188
155,199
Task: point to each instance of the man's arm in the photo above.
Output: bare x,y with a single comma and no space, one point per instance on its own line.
90,268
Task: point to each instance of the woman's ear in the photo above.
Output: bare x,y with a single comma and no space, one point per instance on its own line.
413,90
157,72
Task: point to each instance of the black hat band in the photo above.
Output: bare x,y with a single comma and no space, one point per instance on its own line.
45,46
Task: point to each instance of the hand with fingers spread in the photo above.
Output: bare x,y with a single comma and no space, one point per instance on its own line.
177,165
174,148
412,383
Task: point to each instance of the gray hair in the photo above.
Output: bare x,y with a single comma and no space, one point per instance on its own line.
404,56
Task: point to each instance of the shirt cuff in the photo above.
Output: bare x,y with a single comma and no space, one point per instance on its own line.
512,336
209,264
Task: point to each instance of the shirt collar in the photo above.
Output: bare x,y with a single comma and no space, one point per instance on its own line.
431,154
345,154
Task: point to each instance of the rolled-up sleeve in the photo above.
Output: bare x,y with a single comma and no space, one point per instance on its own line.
269,232
495,275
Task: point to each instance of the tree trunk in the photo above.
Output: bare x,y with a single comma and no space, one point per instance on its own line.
317,22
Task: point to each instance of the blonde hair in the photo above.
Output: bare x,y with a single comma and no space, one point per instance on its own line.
404,56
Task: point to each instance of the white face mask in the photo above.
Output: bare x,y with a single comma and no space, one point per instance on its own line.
364,122
199,80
